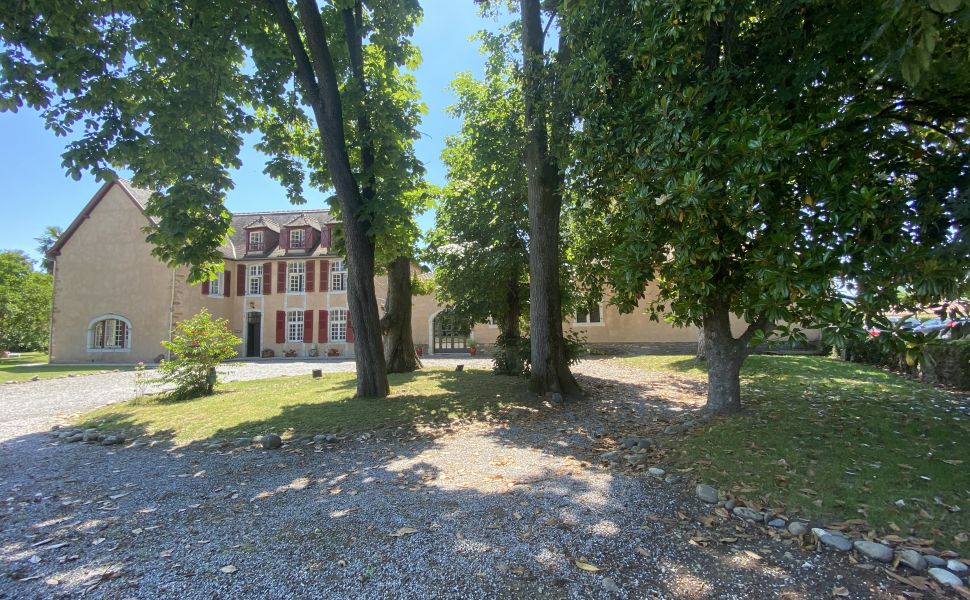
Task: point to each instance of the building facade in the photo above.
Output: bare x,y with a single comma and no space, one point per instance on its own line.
282,289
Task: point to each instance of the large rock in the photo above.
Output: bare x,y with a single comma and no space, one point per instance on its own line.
707,493
956,566
934,561
271,441
944,577
656,471
912,559
796,528
834,540
112,440
874,550
749,513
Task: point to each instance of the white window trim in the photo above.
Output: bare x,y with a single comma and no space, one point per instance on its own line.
289,329
218,289
250,277
601,323
302,236
298,275
333,323
90,336
338,275
258,237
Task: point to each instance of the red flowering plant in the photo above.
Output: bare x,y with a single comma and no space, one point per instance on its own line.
198,345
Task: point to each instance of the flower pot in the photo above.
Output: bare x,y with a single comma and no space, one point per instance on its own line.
472,350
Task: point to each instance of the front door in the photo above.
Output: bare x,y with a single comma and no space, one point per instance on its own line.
253,329
449,335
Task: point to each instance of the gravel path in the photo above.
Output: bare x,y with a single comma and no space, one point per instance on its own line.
503,508
36,405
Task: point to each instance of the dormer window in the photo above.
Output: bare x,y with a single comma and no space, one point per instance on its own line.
296,238
256,240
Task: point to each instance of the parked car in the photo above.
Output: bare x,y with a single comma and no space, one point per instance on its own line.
943,327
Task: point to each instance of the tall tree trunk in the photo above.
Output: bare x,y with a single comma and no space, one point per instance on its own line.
550,368
725,355
398,338
318,80
701,345
509,326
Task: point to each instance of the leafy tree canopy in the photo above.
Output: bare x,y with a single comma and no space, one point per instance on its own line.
168,89
25,303
744,155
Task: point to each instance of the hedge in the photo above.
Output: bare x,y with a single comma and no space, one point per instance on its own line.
945,362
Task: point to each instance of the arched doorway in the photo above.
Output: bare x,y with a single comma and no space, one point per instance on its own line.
448,334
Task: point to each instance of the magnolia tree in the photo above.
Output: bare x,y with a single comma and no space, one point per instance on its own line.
747,156
168,89
198,345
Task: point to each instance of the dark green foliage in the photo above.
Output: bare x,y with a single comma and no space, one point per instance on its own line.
198,345
948,363
45,243
25,304
511,355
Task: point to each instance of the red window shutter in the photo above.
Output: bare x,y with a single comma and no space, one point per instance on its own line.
205,287
324,275
322,333
281,277
350,329
227,283
240,280
267,278
308,326
327,235
280,326
310,272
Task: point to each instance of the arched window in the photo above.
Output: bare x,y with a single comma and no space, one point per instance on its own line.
109,333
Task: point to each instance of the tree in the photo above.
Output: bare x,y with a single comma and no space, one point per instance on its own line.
52,233
167,89
478,245
198,346
546,123
747,156
25,304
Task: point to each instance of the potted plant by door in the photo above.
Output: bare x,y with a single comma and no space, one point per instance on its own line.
419,350
472,347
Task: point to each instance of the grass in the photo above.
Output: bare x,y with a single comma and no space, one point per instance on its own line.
302,405
20,368
834,441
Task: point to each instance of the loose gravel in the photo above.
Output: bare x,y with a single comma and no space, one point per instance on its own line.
516,507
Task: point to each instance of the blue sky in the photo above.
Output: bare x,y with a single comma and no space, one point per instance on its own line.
36,193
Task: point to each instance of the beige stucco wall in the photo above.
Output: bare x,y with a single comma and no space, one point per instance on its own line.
106,268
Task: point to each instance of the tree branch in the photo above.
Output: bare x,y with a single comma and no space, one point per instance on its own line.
304,69
316,38
760,324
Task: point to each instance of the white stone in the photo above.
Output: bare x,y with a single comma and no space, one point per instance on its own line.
945,577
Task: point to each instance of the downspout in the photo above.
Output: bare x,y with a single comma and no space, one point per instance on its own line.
50,320
171,317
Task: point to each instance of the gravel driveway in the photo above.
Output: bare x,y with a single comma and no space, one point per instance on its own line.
36,405
517,507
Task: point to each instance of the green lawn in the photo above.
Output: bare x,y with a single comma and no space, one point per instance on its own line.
15,369
833,441
302,405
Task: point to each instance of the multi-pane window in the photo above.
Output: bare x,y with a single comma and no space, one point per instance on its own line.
215,286
110,334
294,326
296,238
338,276
296,275
338,325
255,283
589,316
255,240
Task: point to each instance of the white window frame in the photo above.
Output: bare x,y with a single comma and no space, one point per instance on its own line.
294,326
338,324
256,240
583,317
338,276
299,234
215,285
254,272
124,346
296,277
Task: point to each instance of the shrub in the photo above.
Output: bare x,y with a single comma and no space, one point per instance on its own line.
198,345
514,356
948,363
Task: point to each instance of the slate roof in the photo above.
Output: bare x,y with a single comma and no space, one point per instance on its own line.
236,248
